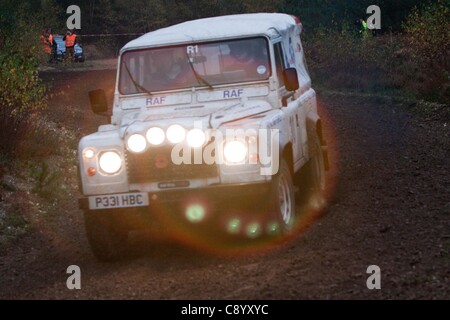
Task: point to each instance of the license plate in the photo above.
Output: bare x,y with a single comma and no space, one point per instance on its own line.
124,200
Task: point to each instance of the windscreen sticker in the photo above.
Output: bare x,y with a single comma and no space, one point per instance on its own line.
261,69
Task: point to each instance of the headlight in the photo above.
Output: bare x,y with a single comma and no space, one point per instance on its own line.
110,162
235,151
196,138
136,143
176,133
155,136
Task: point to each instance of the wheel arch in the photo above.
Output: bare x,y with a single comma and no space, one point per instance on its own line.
314,128
288,155
314,125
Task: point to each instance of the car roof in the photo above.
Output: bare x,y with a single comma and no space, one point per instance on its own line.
231,26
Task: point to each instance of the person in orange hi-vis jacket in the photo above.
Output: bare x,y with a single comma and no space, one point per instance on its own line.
70,39
46,44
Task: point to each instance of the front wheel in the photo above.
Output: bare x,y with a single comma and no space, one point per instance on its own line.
282,201
108,241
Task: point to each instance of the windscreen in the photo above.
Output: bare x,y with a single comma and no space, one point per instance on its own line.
194,65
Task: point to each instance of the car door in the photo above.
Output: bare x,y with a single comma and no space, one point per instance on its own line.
292,107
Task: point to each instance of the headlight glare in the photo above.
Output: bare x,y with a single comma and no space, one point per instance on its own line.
110,162
196,138
176,133
88,153
155,136
235,151
136,143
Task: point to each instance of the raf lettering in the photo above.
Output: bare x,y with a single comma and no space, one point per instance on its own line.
154,101
233,93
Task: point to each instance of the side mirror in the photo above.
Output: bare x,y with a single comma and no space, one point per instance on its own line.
290,79
97,98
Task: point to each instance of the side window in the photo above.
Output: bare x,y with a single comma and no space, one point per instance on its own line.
279,61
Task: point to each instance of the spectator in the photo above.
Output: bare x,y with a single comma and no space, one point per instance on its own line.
361,27
70,40
46,44
52,44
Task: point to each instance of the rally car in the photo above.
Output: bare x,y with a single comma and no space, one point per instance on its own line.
214,123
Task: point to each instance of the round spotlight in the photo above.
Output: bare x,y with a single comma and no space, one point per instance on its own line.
110,162
155,136
136,143
176,133
196,138
235,151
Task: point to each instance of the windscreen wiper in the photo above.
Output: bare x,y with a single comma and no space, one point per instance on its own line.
197,76
138,86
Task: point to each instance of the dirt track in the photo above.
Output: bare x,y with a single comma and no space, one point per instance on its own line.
390,207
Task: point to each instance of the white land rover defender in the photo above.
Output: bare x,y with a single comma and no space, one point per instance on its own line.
213,123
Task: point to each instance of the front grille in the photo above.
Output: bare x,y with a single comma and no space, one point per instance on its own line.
155,165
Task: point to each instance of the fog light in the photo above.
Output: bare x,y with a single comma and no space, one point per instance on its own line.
88,153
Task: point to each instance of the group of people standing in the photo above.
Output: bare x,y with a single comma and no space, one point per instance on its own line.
50,46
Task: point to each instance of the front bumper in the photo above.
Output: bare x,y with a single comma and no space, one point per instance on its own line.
170,213
244,193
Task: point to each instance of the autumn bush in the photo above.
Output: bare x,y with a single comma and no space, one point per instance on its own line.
21,92
344,59
427,45
414,61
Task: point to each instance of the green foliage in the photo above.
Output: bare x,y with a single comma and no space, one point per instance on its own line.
343,59
47,182
12,225
21,92
112,16
148,15
428,47
331,14
414,62
50,15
